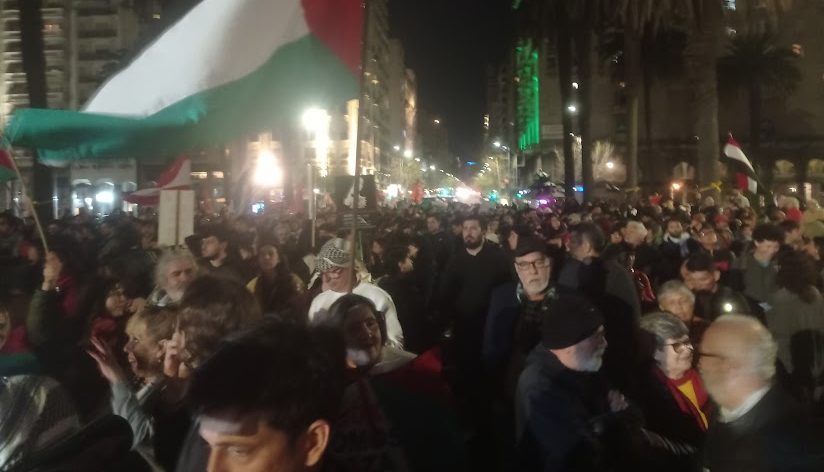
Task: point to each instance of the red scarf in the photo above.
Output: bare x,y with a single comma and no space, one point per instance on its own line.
683,402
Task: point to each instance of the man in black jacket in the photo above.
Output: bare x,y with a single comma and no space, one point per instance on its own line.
612,289
711,298
409,301
566,417
469,277
516,310
759,427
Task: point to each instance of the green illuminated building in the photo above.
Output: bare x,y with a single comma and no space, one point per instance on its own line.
528,110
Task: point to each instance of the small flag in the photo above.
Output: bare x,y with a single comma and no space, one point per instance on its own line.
6,166
177,177
745,177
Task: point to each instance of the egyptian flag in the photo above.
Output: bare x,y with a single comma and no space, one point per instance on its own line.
745,177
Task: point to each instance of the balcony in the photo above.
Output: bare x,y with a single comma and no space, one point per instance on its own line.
97,56
96,11
97,33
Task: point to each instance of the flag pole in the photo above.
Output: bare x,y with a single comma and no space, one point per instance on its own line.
358,146
29,202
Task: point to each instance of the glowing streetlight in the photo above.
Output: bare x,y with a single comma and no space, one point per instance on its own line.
432,167
396,147
497,144
610,165
572,108
313,118
676,186
575,85
437,122
267,171
407,153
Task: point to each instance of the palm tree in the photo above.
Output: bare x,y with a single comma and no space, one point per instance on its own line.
639,18
702,51
662,59
755,63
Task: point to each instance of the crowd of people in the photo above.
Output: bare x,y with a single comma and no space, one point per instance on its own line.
596,337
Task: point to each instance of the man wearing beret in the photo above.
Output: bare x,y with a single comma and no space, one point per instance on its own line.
565,415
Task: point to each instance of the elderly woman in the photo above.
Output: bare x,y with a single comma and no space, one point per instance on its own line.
674,297
671,395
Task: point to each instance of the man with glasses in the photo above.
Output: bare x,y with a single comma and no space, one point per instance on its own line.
513,326
759,426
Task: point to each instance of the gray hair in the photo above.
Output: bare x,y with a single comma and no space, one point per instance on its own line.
675,287
169,256
762,348
663,326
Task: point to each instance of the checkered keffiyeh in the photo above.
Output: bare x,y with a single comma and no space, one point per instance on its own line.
334,253
35,412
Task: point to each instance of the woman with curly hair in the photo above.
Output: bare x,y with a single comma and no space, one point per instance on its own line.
277,290
796,321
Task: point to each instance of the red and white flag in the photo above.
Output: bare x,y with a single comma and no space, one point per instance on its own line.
745,177
177,177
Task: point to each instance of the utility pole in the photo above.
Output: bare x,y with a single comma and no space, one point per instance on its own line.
34,65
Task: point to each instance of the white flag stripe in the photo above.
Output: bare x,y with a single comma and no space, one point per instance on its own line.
217,42
735,152
752,185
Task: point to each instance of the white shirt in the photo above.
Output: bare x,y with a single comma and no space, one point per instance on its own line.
319,310
728,416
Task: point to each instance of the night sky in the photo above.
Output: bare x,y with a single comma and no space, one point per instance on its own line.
448,44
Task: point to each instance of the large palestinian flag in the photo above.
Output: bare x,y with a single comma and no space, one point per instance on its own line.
227,69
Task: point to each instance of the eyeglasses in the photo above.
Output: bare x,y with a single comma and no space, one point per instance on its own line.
680,347
539,264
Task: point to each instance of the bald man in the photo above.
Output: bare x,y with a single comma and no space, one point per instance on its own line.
758,427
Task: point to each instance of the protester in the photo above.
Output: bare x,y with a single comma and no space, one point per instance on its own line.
392,394
676,298
759,427
253,424
154,411
712,299
754,273
671,394
335,265
796,322
409,301
174,271
277,290
566,417
516,311
219,258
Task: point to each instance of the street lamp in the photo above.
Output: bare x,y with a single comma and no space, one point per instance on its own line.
610,165
497,144
396,147
267,171
407,153
432,167
572,108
